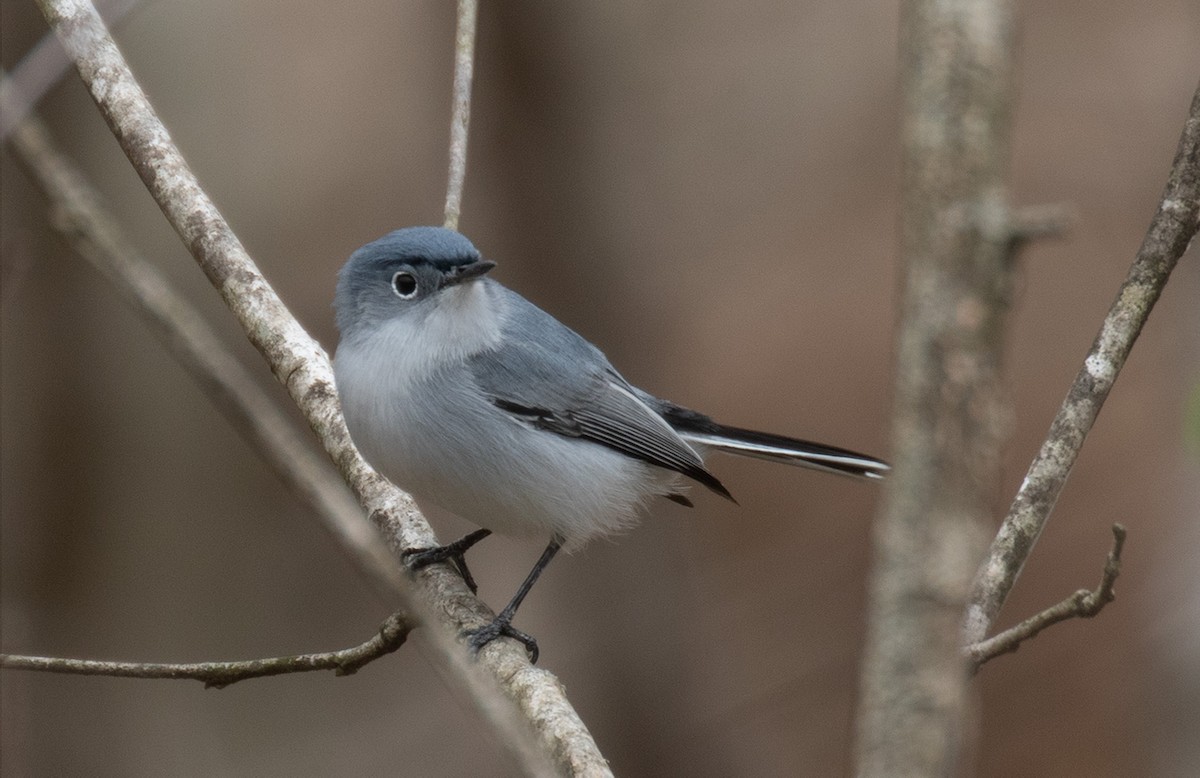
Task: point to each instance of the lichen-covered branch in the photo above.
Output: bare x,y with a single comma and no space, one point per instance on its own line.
1082,604
347,661
439,599
1171,232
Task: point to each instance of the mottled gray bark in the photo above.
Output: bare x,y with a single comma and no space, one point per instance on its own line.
950,417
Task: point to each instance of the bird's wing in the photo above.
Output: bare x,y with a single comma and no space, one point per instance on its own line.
554,380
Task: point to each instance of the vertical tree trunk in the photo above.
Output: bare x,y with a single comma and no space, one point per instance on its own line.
950,416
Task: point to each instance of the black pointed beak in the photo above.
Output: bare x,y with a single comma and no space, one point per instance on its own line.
468,272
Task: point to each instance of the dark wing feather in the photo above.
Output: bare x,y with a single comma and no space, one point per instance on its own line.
550,377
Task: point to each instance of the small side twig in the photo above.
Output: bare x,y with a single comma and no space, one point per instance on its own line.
464,66
1033,222
392,634
1082,604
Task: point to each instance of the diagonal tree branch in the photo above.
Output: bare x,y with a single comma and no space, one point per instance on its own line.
438,598
80,216
43,67
1082,604
347,661
1171,232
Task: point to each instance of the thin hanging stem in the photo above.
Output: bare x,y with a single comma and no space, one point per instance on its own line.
464,65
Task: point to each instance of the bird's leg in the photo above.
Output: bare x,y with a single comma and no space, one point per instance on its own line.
417,558
501,626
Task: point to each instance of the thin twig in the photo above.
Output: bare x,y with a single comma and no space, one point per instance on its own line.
1170,233
347,661
439,598
464,65
1082,604
80,216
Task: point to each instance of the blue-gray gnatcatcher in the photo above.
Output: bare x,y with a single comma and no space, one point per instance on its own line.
472,398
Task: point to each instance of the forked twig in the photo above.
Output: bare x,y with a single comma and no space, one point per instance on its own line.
1082,604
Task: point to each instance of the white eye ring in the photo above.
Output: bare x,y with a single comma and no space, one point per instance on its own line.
404,285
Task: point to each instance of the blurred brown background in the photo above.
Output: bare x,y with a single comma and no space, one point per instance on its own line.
709,192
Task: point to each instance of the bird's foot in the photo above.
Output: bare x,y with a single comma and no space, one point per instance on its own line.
455,553
501,628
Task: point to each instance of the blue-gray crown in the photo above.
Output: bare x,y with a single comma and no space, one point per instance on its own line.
440,248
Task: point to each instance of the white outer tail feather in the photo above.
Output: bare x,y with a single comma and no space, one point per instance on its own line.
839,463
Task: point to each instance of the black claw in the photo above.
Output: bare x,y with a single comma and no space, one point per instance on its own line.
454,553
418,558
481,636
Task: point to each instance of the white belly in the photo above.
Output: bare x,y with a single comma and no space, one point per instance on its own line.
450,447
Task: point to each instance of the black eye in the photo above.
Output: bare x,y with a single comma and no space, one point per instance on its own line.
404,285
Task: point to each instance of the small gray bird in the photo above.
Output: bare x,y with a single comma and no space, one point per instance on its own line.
470,397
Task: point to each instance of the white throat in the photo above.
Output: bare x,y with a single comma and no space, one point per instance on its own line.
376,373
461,322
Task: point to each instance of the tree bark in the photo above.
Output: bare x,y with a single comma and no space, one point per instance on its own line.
951,416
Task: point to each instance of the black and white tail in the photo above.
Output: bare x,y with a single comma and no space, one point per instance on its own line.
700,429
791,451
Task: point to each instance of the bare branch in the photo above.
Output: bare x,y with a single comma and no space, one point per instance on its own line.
1082,604
1170,233
79,215
347,661
464,63
439,598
